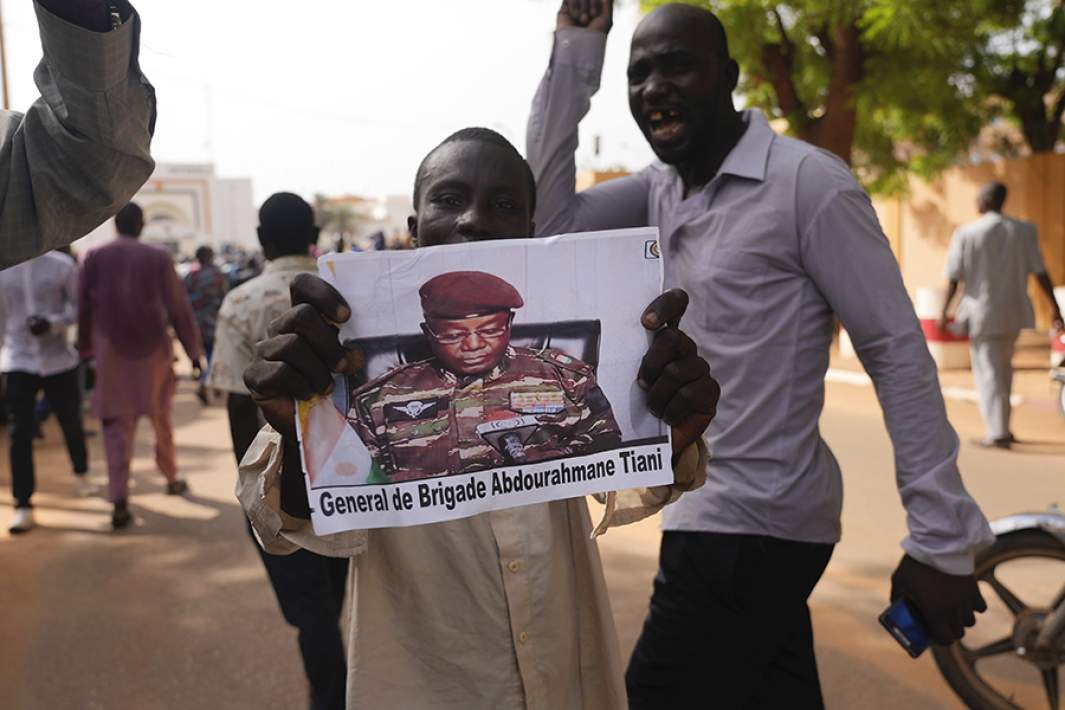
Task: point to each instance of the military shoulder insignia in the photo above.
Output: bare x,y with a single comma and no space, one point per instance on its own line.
414,409
596,400
566,362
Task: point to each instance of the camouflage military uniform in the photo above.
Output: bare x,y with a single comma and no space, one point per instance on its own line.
421,420
244,316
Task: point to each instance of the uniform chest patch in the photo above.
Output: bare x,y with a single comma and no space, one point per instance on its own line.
414,409
537,402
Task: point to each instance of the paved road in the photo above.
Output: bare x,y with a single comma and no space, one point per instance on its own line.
861,667
176,612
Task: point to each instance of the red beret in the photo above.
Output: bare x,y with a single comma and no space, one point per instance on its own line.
464,294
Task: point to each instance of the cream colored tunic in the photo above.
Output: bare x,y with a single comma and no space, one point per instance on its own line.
505,610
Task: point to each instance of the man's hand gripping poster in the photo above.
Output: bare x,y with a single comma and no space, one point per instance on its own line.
490,375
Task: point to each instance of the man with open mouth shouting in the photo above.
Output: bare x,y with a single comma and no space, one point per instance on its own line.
771,238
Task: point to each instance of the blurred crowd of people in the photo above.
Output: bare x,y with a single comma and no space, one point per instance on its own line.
236,263
50,359
69,328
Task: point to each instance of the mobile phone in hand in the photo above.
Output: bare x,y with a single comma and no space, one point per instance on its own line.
902,624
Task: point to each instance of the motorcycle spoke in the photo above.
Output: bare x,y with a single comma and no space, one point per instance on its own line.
1050,684
1008,598
995,648
1058,599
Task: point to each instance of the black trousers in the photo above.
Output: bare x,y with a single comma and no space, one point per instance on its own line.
64,396
310,592
309,587
729,626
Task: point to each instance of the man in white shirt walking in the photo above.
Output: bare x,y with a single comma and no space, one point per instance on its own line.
993,257
39,299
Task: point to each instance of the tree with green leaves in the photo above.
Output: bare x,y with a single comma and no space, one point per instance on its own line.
891,86
1018,62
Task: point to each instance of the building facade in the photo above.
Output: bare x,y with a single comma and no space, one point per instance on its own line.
185,206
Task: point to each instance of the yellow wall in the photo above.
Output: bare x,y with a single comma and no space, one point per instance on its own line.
589,178
919,224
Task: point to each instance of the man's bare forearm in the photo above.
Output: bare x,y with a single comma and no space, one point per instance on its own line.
293,491
244,422
1048,289
952,290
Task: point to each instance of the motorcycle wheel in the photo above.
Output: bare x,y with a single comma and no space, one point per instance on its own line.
958,662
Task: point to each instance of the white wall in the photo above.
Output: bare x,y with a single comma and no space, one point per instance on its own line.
198,207
235,212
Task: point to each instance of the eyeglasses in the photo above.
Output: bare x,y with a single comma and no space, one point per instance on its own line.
455,337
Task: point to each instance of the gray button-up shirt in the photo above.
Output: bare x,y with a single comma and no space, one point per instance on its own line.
769,250
82,150
992,257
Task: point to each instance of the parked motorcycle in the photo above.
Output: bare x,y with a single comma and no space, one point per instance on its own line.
1018,645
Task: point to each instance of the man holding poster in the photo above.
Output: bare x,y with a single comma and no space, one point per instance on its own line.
527,405
505,610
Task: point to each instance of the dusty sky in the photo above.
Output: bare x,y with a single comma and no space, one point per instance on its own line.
335,97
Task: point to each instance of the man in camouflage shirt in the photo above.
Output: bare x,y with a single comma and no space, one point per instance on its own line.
479,403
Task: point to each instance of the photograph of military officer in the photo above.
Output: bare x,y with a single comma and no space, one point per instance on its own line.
478,402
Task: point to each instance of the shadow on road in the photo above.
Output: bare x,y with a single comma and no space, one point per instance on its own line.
1043,448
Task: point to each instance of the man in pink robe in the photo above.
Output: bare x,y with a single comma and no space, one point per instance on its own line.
130,296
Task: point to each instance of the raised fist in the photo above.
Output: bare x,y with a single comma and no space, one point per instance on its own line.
591,14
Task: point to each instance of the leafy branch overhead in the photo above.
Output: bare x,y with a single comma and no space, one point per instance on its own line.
1020,63
900,86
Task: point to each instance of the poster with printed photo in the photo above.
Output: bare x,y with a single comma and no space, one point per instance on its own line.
490,375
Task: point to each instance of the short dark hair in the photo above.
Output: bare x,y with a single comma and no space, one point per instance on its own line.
286,221
204,253
130,220
715,30
703,20
993,195
483,135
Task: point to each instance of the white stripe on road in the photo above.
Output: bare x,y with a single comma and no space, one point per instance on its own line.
850,377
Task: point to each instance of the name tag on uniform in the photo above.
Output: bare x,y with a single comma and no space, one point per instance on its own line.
413,409
537,402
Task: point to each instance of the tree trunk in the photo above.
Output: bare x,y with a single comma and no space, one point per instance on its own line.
1041,131
1028,92
1040,134
835,129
